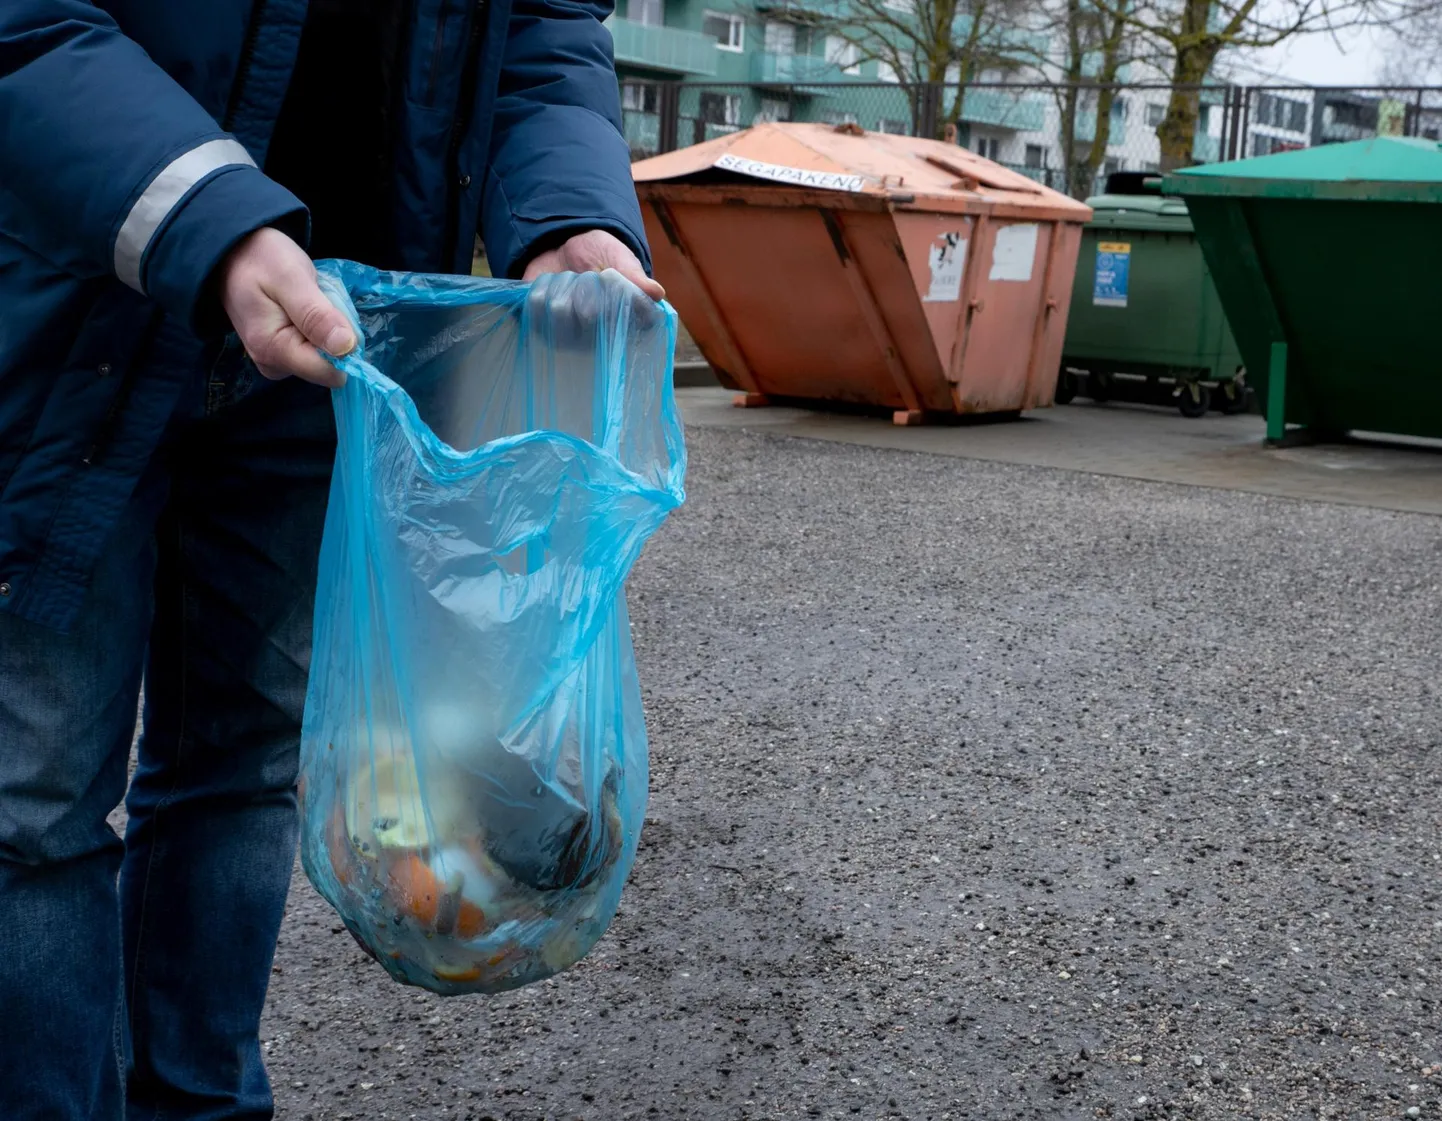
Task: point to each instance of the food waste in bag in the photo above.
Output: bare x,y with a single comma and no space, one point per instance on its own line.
473,761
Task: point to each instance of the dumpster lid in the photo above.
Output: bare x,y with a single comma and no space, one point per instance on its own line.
1382,169
1150,205
905,169
1134,183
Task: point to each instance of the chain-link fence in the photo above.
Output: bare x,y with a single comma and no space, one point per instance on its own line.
1067,137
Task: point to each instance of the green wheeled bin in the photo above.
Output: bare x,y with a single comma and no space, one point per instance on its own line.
1144,311
1328,262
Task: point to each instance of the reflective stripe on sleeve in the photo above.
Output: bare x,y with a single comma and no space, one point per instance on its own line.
164,195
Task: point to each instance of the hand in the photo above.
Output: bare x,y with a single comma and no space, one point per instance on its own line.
268,288
594,251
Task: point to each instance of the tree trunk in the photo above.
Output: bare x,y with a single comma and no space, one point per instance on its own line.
1102,134
1178,130
1068,140
1196,51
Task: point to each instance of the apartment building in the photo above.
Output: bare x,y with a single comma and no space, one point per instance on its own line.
741,63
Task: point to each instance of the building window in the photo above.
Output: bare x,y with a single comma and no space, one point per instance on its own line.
1112,166
1035,156
1282,112
843,53
885,72
640,97
772,109
836,117
901,5
780,38
895,128
1431,134
727,29
988,147
1156,114
648,12
721,109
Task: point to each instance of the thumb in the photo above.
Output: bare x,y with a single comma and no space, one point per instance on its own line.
320,321
615,255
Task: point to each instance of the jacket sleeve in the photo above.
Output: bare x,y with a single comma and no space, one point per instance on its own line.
558,163
111,167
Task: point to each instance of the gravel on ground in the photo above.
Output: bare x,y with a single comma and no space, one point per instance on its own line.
980,792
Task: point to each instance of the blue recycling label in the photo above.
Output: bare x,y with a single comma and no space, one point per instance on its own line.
1113,270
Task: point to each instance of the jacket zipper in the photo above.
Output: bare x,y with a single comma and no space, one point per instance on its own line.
242,66
464,108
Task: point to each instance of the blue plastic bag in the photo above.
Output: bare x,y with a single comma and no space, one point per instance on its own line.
473,759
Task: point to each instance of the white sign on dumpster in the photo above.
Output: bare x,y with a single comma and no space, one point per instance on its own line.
799,176
1015,252
947,257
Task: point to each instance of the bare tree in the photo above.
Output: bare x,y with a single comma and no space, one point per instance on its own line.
1086,47
1416,55
930,46
1190,34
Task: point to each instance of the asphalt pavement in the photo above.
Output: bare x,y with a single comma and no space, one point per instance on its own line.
981,791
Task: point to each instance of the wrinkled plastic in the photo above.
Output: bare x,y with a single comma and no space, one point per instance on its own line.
473,760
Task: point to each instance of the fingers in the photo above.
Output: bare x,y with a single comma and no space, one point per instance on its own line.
595,251
312,324
270,292
287,353
615,255
649,286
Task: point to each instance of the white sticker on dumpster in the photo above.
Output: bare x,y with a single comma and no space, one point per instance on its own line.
800,176
948,262
1015,252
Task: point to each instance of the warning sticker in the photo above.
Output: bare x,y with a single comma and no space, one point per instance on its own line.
1113,270
1015,252
800,176
947,258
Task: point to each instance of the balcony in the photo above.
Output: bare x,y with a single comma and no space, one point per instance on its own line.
1086,126
666,49
795,70
997,108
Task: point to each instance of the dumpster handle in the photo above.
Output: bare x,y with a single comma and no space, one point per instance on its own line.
740,368
870,312
1043,323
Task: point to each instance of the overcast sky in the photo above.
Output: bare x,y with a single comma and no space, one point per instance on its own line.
1352,59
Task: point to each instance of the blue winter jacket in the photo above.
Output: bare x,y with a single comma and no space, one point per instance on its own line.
131,137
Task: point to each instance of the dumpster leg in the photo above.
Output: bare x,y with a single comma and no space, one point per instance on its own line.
908,418
1277,394
750,401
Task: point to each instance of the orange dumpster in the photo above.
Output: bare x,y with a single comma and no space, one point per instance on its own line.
827,263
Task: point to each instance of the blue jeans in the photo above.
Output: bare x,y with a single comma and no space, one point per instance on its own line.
132,975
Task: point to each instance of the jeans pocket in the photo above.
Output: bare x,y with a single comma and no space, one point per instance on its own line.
233,376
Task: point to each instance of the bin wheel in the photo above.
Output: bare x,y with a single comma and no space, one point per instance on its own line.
1194,400
1066,387
1234,400
1099,388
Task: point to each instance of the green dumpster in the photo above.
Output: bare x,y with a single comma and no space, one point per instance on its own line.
1327,264
1143,307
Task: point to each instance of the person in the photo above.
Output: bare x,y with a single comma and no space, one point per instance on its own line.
166,441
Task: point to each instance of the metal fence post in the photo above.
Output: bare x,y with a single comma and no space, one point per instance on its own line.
669,111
